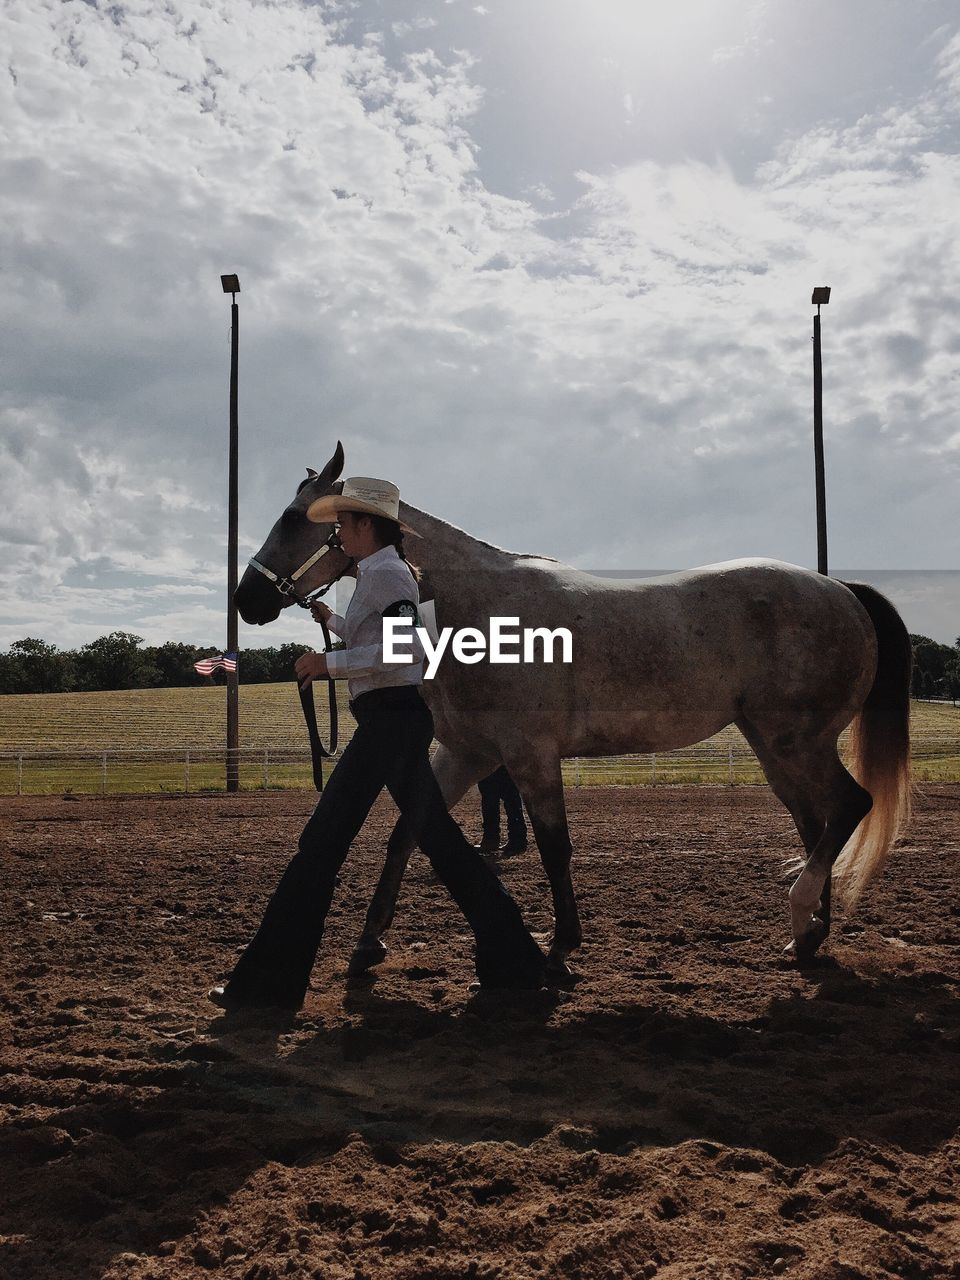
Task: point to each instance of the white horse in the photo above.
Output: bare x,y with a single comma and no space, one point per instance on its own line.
789,656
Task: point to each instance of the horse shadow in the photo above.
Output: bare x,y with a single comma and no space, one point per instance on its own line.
130,1169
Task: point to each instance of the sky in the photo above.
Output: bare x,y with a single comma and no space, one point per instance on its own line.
546,264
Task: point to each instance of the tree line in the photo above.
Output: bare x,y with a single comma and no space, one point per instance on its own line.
936,669
120,660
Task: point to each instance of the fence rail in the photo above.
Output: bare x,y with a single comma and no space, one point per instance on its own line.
188,769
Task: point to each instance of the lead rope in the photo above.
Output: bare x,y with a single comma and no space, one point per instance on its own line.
318,752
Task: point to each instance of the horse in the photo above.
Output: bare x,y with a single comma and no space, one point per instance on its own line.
789,656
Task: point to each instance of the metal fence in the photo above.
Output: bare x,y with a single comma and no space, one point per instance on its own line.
194,769
126,770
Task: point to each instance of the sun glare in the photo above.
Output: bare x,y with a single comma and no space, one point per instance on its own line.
661,30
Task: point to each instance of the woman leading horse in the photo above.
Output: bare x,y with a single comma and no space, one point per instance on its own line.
390,748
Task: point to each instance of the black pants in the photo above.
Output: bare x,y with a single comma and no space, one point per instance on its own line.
389,748
494,788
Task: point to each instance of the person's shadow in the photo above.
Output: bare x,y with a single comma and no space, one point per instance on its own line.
128,1167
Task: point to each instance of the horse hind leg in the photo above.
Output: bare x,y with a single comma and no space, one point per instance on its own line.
847,804
827,805
541,784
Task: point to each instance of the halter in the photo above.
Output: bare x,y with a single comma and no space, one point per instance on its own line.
288,588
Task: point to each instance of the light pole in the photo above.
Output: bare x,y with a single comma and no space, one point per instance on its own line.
231,285
821,296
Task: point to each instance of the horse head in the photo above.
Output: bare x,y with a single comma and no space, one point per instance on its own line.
287,566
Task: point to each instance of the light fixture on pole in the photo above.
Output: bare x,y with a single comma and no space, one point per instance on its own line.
231,285
820,298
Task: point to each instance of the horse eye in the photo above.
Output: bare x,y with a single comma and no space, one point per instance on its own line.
291,517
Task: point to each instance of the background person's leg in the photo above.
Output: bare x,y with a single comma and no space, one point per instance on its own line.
513,807
490,811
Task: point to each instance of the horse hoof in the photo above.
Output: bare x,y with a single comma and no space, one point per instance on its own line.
804,948
558,973
366,956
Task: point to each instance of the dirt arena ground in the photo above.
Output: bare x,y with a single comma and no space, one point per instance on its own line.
694,1107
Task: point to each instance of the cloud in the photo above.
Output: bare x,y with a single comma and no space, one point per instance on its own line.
147,151
619,379
421,23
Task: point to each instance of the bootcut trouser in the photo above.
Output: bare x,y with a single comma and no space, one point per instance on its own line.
389,748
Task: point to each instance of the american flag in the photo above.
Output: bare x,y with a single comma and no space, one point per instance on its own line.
207,666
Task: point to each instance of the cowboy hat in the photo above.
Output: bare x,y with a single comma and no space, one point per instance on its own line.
364,495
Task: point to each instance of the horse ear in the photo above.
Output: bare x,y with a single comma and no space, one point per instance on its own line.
333,468
311,474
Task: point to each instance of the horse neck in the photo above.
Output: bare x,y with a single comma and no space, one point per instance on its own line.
443,550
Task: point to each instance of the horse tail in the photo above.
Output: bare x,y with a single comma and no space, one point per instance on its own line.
878,754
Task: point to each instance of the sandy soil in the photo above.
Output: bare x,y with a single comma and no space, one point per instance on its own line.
694,1107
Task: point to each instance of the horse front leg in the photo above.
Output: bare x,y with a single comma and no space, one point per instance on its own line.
455,775
541,785
370,949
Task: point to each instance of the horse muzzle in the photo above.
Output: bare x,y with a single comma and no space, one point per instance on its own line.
258,601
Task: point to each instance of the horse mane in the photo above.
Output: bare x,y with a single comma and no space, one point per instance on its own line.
413,514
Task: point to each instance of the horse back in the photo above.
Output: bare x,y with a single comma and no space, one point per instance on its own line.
660,662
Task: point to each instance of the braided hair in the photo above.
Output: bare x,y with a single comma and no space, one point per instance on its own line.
391,535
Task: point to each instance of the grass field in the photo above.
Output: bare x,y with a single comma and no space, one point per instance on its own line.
171,740
137,719
157,739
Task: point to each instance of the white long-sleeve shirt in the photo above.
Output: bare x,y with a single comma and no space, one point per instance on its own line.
383,580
